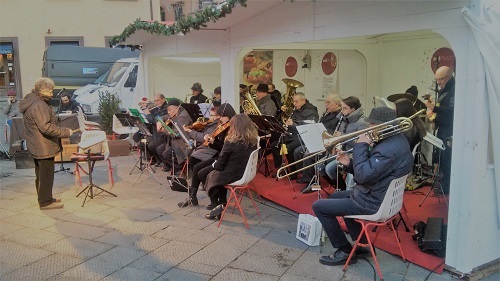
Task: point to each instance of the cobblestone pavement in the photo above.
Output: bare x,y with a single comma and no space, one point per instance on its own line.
140,236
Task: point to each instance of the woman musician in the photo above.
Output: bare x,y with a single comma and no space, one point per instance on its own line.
205,155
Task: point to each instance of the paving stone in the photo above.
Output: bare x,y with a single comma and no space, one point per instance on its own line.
55,213
79,248
276,265
134,240
33,237
78,230
308,266
184,221
88,218
281,221
238,274
204,269
43,268
16,205
132,274
278,244
290,277
132,214
6,213
75,204
167,256
128,226
119,257
9,194
179,274
33,221
187,235
13,256
9,228
89,270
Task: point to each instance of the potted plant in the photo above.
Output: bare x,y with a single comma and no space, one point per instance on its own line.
109,104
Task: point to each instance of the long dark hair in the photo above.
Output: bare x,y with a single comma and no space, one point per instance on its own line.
405,108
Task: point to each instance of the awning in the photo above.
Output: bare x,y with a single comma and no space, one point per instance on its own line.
5,48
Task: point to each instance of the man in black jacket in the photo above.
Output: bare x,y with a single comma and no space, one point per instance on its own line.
444,109
43,139
303,113
67,104
197,96
374,166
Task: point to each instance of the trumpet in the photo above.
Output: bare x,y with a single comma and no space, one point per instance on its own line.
376,133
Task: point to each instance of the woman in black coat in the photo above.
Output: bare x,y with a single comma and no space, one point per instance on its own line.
229,167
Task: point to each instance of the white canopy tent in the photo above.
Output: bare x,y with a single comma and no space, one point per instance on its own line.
474,223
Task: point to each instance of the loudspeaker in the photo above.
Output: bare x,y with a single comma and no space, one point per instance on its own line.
435,237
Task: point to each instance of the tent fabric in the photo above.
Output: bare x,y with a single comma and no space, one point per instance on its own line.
485,28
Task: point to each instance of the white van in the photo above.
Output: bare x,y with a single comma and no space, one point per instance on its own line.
120,80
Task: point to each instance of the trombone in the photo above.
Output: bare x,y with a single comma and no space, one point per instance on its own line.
376,133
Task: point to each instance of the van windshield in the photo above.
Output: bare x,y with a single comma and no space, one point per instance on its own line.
116,73
101,79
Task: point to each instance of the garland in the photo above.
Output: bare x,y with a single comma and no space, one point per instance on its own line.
194,21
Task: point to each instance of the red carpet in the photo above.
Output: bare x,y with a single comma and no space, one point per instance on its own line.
288,195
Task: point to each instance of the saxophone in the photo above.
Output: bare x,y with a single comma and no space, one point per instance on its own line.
287,108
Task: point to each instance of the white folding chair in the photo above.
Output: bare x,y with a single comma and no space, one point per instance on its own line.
84,124
389,209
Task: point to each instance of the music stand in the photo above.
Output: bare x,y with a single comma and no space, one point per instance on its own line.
173,179
437,143
87,145
193,110
311,135
143,163
264,125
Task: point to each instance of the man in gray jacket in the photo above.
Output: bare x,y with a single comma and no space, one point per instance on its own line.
43,139
264,102
374,166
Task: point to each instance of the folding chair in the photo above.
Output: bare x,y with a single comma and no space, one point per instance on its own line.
241,186
388,211
84,124
93,148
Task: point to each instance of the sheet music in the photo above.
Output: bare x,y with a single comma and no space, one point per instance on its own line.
311,135
139,113
435,141
119,128
205,109
181,134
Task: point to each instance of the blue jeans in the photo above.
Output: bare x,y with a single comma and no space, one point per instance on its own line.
339,204
331,169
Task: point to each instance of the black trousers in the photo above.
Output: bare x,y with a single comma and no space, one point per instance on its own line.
218,193
44,171
445,159
195,180
292,143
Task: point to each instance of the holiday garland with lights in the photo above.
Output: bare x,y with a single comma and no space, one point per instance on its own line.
194,21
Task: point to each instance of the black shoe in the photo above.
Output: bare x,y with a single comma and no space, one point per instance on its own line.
364,251
338,258
306,190
303,180
210,207
187,202
217,210
208,216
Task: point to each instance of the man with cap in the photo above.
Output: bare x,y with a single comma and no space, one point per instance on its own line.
264,102
12,108
217,96
197,96
374,166
174,147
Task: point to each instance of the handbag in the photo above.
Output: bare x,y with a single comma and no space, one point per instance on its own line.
308,229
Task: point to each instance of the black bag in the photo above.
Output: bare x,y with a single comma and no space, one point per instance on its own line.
434,243
178,184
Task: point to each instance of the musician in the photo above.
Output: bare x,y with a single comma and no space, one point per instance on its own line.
173,147
413,90
67,104
145,104
444,109
217,96
405,108
223,113
351,120
240,142
264,102
276,97
160,109
304,112
203,152
374,166
197,96
330,120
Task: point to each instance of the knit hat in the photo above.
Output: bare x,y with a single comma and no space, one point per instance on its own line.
412,90
11,93
380,115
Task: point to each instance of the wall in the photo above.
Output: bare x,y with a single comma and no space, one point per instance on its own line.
29,21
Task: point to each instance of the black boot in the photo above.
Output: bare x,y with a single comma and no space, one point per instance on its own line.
191,200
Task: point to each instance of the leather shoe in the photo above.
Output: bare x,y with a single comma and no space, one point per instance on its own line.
52,206
303,180
208,216
364,251
217,210
189,201
306,190
56,200
338,258
210,207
